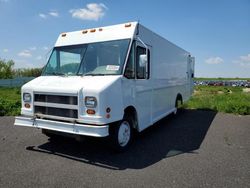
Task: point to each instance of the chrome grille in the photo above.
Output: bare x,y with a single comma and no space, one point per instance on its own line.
55,106
56,111
56,99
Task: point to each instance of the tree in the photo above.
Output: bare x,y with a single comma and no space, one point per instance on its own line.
33,72
6,69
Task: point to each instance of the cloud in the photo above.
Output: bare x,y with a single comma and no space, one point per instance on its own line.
25,53
21,63
46,48
43,16
243,60
214,60
39,57
92,11
54,13
5,50
33,48
28,63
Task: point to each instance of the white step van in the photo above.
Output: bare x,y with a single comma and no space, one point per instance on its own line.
107,81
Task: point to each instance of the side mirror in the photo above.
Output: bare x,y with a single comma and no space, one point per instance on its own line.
143,60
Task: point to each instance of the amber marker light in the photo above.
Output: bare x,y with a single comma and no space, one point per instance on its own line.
27,105
128,25
90,112
84,31
64,35
92,30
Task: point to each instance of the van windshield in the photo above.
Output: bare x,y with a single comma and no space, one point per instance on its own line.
102,58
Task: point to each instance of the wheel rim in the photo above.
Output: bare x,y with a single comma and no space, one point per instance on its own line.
124,133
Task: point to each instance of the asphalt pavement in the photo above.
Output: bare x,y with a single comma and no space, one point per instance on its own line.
194,149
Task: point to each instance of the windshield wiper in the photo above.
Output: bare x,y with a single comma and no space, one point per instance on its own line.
92,74
57,73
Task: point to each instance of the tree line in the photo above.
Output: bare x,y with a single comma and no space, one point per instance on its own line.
7,70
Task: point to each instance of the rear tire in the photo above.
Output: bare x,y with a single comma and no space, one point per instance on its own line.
178,103
121,134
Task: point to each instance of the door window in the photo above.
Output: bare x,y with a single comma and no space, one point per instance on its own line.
141,72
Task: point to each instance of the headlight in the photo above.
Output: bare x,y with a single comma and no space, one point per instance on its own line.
27,97
90,102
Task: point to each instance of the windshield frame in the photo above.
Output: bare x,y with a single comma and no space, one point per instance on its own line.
77,73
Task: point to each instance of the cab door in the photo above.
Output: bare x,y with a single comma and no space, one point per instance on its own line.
143,88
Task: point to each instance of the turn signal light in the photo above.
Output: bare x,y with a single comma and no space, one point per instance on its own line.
27,105
90,111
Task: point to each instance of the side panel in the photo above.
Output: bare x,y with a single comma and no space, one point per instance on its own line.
168,74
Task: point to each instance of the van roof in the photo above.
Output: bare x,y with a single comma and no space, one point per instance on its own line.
99,34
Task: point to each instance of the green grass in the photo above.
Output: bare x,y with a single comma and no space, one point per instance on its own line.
221,99
217,98
219,79
10,101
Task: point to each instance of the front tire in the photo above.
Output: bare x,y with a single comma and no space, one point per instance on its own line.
121,134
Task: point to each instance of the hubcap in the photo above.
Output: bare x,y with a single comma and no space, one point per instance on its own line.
124,133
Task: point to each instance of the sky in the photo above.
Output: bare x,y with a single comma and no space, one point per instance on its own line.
215,32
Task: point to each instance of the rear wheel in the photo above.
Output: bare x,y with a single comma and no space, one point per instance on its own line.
121,134
178,104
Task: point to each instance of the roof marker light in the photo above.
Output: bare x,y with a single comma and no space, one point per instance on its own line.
64,35
84,31
92,30
128,25
100,29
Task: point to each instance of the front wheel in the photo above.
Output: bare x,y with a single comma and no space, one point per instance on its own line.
121,135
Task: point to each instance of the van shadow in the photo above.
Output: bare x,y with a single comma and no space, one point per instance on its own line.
167,138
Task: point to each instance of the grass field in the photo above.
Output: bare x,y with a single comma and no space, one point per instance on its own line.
217,98
221,99
219,79
10,101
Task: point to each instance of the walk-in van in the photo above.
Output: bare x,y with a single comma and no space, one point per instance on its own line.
107,82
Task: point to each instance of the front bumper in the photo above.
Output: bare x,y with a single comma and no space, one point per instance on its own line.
72,128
